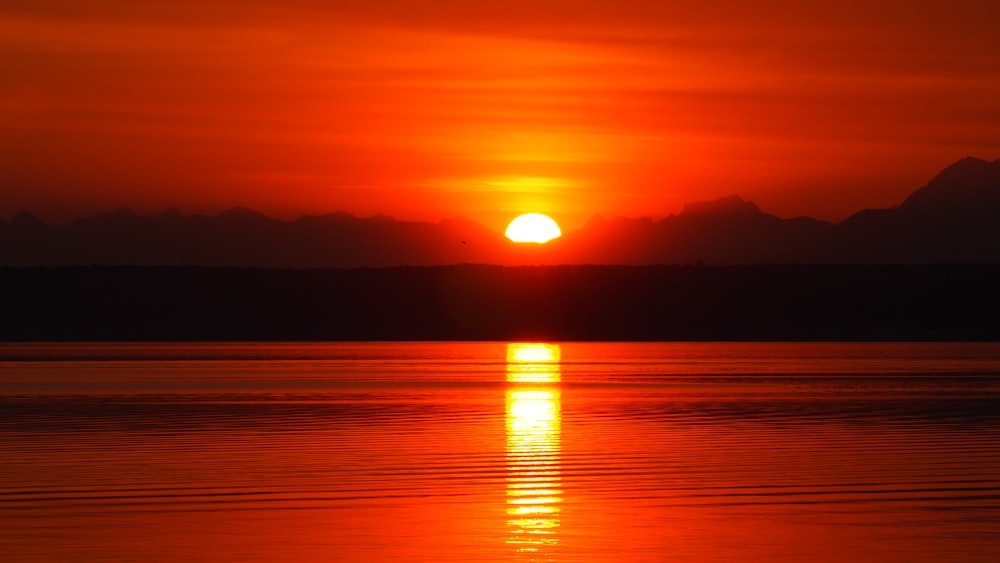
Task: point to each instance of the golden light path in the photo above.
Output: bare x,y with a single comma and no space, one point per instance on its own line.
533,448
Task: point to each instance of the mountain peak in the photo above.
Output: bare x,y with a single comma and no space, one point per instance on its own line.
725,206
242,213
969,169
970,182
968,162
25,219
122,213
172,213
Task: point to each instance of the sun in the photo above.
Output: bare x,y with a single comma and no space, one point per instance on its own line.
533,227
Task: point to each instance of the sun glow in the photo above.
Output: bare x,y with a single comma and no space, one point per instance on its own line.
533,227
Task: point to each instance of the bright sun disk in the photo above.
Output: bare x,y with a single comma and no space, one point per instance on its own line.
533,227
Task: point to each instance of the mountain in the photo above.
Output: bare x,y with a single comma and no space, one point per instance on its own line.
726,231
241,237
951,219
954,218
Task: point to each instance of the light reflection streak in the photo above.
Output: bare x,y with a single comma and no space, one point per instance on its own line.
533,448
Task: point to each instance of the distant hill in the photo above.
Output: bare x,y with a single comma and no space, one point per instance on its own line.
726,231
241,237
952,219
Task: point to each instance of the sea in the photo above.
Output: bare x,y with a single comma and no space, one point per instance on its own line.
500,452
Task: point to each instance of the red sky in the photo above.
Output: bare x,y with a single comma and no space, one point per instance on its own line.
432,109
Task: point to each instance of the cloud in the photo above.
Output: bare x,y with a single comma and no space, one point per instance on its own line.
662,101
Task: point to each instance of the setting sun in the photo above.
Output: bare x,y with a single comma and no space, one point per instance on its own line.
533,227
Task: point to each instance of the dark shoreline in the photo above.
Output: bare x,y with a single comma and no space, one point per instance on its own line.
956,302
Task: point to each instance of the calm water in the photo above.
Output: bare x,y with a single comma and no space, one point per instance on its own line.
500,452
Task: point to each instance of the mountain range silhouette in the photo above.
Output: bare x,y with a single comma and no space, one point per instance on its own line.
951,219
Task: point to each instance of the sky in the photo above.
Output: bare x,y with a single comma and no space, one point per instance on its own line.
429,109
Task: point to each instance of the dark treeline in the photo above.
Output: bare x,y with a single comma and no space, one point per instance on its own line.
471,302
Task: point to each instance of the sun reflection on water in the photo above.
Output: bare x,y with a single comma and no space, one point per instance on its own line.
533,447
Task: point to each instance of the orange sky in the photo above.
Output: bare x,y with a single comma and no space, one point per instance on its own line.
431,109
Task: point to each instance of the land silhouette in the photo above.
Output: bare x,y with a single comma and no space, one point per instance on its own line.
927,269
481,302
951,219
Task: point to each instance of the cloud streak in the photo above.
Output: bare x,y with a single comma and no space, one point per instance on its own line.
638,104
